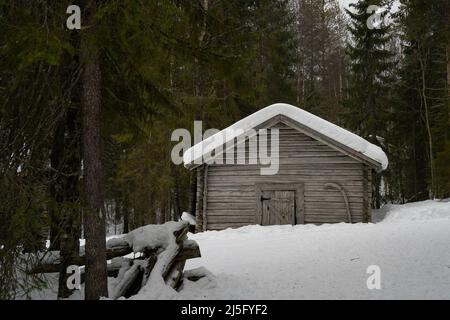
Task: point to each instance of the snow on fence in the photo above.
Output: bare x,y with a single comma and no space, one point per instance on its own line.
160,253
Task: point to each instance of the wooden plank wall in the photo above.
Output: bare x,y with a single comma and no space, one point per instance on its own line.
231,201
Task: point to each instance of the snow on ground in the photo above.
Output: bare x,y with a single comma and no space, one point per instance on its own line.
411,246
415,211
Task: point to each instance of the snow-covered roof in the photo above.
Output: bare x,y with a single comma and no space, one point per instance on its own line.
303,117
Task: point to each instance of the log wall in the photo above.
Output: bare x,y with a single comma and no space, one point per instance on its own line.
230,199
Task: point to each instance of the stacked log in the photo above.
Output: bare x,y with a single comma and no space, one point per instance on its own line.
134,273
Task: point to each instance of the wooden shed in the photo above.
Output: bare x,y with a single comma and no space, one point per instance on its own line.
324,172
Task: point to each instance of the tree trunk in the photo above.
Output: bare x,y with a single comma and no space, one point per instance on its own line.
193,192
125,215
423,93
448,73
94,214
197,93
447,19
176,194
177,204
56,188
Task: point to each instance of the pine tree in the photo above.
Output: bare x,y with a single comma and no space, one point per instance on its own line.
371,70
369,98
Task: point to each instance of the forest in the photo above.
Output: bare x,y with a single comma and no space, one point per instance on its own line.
86,115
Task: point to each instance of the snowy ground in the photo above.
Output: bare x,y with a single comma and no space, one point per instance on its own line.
410,244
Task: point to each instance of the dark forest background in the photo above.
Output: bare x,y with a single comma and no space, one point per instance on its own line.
86,115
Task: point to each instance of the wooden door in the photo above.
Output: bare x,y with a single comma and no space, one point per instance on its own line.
278,207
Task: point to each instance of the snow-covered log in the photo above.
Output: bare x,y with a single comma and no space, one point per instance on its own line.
128,279
160,254
175,273
51,264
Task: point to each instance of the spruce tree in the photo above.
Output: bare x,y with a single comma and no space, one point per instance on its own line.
369,98
371,69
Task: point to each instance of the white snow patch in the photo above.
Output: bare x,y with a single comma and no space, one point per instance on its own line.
425,210
330,261
152,236
313,122
185,216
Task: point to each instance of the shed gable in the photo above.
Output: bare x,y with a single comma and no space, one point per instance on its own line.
295,140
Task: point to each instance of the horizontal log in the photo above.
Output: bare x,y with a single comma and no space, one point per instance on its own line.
249,192
304,147
285,148
249,184
118,252
332,155
235,212
313,166
315,193
283,145
328,205
331,219
231,205
221,188
325,216
217,181
280,177
189,251
300,177
230,193
221,226
251,197
283,171
325,212
308,219
234,219
311,193
334,198
289,134
301,159
80,260
235,199
331,215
